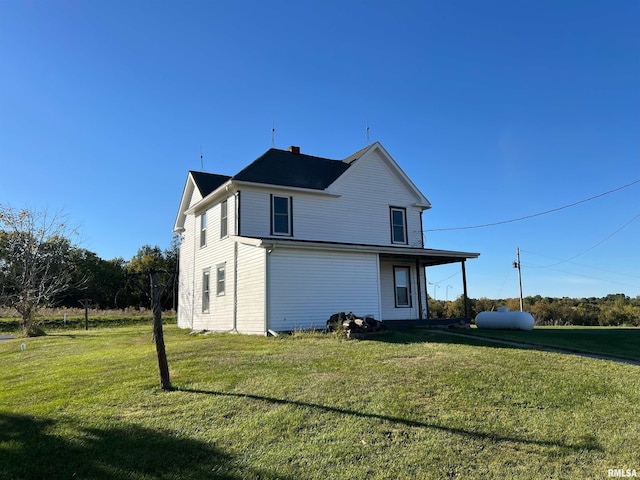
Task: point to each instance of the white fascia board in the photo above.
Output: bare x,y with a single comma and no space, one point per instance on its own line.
271,186
252,242
187,192
211,198
363,248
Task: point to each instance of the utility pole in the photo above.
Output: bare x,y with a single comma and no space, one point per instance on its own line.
516,264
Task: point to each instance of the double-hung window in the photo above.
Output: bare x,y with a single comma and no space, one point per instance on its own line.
206,274
281,215
224,224
398,225
220,279
203,229
402,286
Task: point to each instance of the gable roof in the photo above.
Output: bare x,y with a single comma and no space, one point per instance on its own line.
296,170
208,182
281,167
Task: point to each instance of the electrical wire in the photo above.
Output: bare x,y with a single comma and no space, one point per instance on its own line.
593,246
526,217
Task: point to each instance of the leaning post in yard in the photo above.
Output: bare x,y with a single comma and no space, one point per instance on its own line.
158,335
85,303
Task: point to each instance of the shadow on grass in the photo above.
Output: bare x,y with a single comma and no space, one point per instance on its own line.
589,443
30,449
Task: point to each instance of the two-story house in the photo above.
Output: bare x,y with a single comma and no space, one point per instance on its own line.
292,238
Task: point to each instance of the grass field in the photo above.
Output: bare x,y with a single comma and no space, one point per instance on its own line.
612,341
406,405
53,319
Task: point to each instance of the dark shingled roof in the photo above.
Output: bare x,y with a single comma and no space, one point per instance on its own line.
208,182
281,167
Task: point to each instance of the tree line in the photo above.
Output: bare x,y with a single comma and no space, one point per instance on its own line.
612,310
41,266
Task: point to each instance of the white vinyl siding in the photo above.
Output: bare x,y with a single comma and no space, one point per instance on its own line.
193,261
306,287
390,310
358,213
251,289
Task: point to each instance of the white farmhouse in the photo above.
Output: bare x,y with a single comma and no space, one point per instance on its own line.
292,239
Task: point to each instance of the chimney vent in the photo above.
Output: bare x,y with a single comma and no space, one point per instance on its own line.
295,150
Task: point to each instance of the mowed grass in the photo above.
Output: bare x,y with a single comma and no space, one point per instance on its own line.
612,341
406,405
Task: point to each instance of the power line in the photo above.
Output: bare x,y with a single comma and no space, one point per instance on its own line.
592,247
594,278
526,217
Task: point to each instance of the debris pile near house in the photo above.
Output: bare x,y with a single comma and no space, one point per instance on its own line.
353,326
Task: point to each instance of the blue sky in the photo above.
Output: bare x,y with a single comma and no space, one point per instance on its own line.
496,109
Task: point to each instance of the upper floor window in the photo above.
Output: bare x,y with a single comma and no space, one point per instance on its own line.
281,218
224,228
398,225
203,229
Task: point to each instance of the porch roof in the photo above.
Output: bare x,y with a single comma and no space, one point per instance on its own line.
426,256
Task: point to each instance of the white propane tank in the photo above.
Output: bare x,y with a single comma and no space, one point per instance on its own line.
504,319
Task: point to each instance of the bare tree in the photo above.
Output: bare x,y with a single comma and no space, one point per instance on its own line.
35,260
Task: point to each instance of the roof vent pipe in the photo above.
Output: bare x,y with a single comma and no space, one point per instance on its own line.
295,150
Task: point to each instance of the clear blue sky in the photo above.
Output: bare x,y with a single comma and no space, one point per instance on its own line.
496,110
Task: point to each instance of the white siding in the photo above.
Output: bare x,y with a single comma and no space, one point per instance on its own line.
387,292
185,275
251,290
359,215
306,287
194,260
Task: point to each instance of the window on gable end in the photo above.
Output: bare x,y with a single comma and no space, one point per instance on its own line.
203,229
224,224
281,215
398,225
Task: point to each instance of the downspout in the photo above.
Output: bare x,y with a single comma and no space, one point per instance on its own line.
193,276
235,287
267,288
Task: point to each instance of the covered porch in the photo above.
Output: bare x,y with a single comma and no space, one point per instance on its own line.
404,285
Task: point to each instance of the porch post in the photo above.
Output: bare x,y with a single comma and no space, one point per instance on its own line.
419,290
464,286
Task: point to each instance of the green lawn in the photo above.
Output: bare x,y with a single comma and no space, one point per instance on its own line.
613,341
406,405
